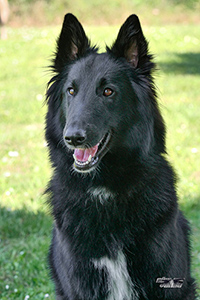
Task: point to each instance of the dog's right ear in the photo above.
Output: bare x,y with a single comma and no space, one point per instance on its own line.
71,44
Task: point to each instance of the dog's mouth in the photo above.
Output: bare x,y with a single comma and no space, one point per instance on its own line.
87,159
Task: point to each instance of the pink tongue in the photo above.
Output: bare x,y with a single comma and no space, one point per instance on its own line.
83,154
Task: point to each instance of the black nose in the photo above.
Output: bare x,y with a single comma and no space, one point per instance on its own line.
75,137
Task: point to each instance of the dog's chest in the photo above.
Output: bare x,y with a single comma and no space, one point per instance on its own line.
101,194
120,286
119,282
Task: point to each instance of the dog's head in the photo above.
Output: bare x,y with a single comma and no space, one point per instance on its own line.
106,101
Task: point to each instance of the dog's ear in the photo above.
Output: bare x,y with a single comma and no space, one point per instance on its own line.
72,42
131,43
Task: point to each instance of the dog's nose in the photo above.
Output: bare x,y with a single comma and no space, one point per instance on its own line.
75,138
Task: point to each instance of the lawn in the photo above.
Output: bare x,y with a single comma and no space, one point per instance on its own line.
25,223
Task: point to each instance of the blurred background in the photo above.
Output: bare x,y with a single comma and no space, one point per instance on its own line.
29,30
102,12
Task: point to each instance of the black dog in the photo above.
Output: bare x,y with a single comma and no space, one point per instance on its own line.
118,232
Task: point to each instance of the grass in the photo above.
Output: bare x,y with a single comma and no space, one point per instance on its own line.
25,224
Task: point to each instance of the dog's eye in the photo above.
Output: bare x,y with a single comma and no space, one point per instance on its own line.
71,91
107,92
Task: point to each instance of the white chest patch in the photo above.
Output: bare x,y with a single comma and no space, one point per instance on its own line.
119,281
101,194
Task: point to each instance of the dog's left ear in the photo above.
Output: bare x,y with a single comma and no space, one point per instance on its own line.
72,42
131,43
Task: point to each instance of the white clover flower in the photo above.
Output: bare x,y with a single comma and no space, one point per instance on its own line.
194,150
13,153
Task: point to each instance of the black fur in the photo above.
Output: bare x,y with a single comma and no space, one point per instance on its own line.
123,209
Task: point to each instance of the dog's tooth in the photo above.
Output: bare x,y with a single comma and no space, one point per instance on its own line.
90,158
74,157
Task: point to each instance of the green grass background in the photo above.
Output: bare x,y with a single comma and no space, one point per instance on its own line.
25,224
